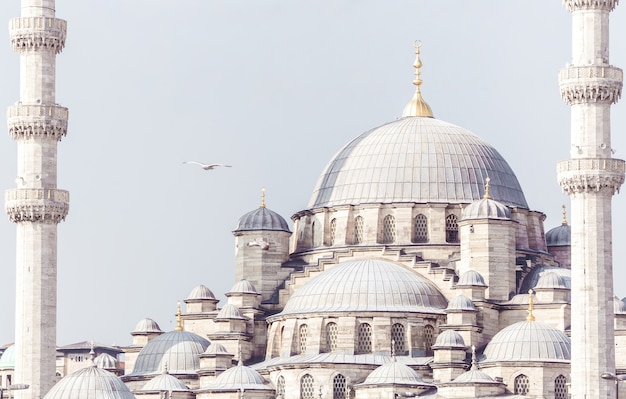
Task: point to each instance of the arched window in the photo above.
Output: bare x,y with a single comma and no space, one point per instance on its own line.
364,339
521,384
397,337
280,388
313,234
339,387
333,232
452,229
358,230
429,338
331,336
389,230
560,387
420,232
303,332
307,391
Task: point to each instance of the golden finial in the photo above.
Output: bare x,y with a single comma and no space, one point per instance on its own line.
530,316
179,319
417,106
263,197
487,196
564,215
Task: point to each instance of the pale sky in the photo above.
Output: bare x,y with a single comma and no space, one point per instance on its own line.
274,88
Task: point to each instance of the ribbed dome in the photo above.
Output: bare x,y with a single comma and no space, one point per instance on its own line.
90,383
216,348
147,326
243,287
106,361
532,278
239,377
229,312
471,278
528,341
176,350
618,305
394,373
558,236
473,376
201,292
367,285
165,382
262,219
449,339
7,361
416,159
486,209
550,279
461,302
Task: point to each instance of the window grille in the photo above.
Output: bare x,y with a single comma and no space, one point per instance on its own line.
397,337
358,230
364,339
420,234
429,336
333,231
389,229
339,387
303,332
521,384
331,336
452,229
306,387
280,387
560,387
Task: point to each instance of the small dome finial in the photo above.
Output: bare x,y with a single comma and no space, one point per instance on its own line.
179,318
564,215
474,362
487,196
417,106
530,316
263,197
393,350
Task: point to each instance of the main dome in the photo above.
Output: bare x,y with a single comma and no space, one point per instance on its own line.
416,159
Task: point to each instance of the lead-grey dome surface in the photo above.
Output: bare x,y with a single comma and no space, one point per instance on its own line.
449,339
201,292
471,278
239,377
90,383
262,219
394,373
106,361
147,326
416,159
367,285
486,209
559,236
165,382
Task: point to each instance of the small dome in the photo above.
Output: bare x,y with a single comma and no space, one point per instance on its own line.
243,286
7,361
461,302
106,361
176,350
240,377
147,326
475,375
216,349
532,278
394,373
618,305
559,236
486,209
550,279
529,341
367,285
201,292
229,312
471,278
519,299
449,339
165,382
90,383
262,219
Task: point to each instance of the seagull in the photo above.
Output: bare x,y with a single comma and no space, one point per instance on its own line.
207,166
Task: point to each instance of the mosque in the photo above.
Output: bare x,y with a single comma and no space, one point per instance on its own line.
417,268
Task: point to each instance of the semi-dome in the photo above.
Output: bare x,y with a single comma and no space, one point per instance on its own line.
90,383
559,236
461,302
201,292
368,285
7,360
240,377
486,208
551,280
471,278
147,326
416,159
262,219
529,341
449,339
176,350
394,373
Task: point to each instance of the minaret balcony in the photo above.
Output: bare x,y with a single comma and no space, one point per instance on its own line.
27,121
576,5
591,174
37,204
34,33
591,84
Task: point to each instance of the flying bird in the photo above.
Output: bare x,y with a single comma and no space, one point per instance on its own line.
207,166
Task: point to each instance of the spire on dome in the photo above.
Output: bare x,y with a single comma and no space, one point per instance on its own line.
487,196
179,318
474,362
564,215
530,316
417,106
263,197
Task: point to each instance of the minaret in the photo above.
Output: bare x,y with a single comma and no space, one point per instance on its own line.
36,123
591,177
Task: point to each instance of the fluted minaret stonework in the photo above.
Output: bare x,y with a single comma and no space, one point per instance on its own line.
590,85
37,123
